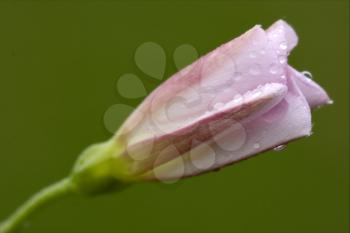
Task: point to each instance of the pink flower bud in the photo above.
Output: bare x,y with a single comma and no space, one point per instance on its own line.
233,103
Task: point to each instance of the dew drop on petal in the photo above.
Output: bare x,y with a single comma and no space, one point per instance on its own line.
275,69
237,99
256,145
219,105
283,45
255,93
273,35
282,59
279,148
307,74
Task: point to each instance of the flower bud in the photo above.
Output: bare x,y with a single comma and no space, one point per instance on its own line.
233,103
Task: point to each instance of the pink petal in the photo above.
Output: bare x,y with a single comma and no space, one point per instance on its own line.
214,133
288,120
236,101
283,35
314,94
232,69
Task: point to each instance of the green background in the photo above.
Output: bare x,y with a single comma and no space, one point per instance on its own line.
59,62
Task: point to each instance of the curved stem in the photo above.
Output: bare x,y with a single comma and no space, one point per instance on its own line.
39,199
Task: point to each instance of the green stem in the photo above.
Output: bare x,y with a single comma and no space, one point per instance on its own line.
38,200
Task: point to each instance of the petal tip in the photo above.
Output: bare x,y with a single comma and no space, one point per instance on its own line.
315,95
284,30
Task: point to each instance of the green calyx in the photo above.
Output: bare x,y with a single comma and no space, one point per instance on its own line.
100,169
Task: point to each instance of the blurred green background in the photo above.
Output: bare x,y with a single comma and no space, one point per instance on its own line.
60,61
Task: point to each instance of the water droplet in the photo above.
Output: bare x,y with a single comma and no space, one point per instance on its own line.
256,146
330,102
218,106
283,45
274,35
282,59
255,93
307,74
275,69
237,98
255,69
279,148
283,76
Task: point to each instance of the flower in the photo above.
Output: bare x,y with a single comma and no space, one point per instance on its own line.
231,104
235,102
